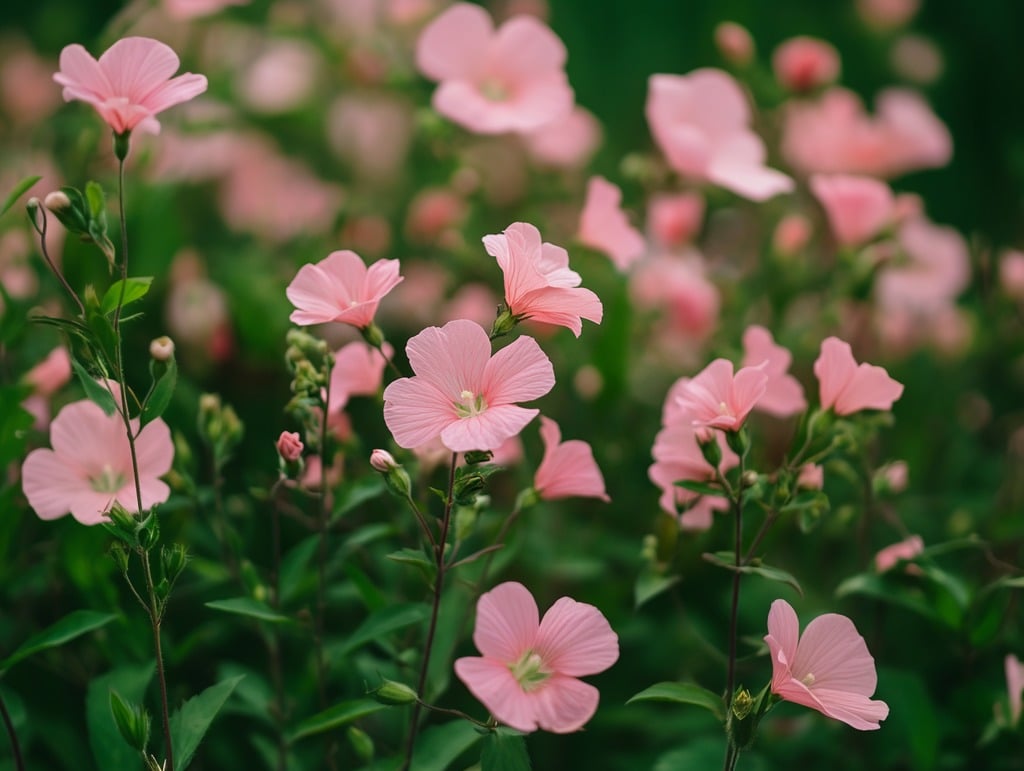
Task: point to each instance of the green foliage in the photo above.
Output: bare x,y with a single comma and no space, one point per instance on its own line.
192,720
73,625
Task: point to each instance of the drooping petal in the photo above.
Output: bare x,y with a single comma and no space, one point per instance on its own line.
854,709
576,639
175,91
507,621
568,468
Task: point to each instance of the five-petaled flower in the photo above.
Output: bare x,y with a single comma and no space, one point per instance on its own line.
341,288
538,283
462,393
847,387
715,398
528,673
828,668
129,84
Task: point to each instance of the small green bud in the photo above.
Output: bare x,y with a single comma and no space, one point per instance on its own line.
361,743
504,323
122,145
132,721
738,441
173,559
120,556
373,335
394,693
710,448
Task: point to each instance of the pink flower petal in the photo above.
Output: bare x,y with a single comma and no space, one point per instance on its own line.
568,468
49,486
605,227
493,684
527,48
507,621
563,704
488,430
519,372
576,639
454,45
416,411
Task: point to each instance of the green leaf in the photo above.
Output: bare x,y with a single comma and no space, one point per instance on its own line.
504,750
19,190
725,559
190,723
134,289
356,493
880,588
108,748
94,390
97,201
382,622
293,568
334,717
163,389
73,625
701,488
417,558
440,746
683,693
251,607
649,585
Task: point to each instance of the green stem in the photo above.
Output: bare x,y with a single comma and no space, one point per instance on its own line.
155,617
19,764
321,595
737,500
434,612
53,267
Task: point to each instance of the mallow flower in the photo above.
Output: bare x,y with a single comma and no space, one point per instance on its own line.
568,468
847,387
341,288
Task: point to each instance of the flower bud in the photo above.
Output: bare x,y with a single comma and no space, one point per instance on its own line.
57,201
361,743
132,721
504,323
734,43
162,348
710,448
382,461
289,446
173,560
394,693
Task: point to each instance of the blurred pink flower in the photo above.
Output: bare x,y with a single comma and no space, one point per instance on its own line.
129,84
791,234
528,674
783,395
461,392
26,91
605,227
358,371
193,9
701,123
834,135
567,143
281,77
895,476
734,43
805,63
906,549
847,387
828,668
340,288
90,466
493,81
886,15
936,268
674,219
811,477
1011,273
538,282
1014,686
432,212
51,374
858,208
289,446
680,287
476,302
715,398
372,132
568,469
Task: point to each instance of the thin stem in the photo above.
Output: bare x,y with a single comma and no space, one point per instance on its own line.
453,713
19,763
737,500
424,525
52,265
321,594
155,617
432,629
731,756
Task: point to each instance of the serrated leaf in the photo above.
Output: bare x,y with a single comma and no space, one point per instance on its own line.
19,190
108,749
683,693
251,607
163,390
380,623
94,390
335,717
356,493
134,289
190,723
725,559
504,750
73,625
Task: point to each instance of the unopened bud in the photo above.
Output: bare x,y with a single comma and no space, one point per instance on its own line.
162,348
394,693
173,560
361,743
289,446
132,721
382,461
120,556
504,324
710,448
57,201
734,43
742,703
373,335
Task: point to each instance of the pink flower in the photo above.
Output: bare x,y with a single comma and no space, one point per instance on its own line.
1011,273
805,63
193,9
734,43
567,143
674,220
605,227
858,208
1014,685
681,287
90,466
907,549
791,234
493,81
847,387
129,84
717,399
828,668
678,457
341,288
936,270
462,393
783,395
568,468
51,374
538,283
811,477
358,371
528,673
289,446
701,122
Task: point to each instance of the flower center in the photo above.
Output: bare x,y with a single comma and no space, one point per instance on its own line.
529,671
723,409
808,679
470,404
108,481
493,90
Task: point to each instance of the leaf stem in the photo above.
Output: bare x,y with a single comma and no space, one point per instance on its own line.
19,763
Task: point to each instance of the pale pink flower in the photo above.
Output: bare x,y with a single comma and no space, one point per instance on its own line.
734,43
51,374
791,234
129,84
528,673
701,123
715,398
834,135
858,208
783,395
90,465
494,80
936,269
895,475
462,393
358,371
568,143
675,219
1011,273
811,477
1014,686
917,59
26,90
678,285
805,63
289,446
341,288
372,132
538,282
677,457
605,227
281,77
383,461
906,549
432,212
828,668
847,387
193,9
568,469
887,14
